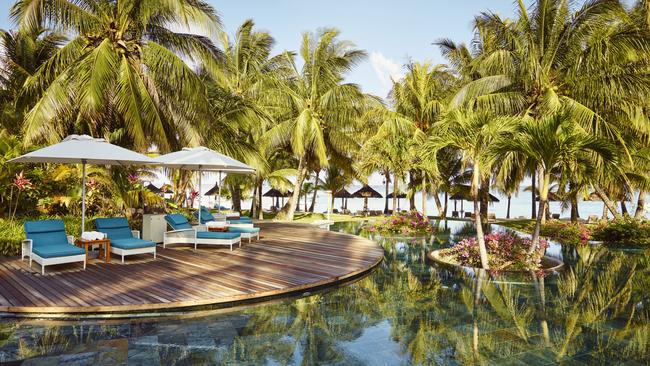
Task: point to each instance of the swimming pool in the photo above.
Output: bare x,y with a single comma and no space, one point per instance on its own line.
407,311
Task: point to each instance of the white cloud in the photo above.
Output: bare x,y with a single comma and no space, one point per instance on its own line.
386,69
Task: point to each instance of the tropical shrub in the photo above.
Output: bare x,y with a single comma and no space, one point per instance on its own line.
506,251
565,232
626,231
411,223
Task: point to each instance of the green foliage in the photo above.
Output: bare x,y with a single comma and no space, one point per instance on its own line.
625,231
565,232
409,224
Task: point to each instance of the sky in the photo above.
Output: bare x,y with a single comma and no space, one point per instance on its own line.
392,32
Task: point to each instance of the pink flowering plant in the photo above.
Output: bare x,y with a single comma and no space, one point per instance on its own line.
566,232
408,224
506,251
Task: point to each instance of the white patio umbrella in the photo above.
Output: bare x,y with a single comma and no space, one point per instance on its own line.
84,149
203,159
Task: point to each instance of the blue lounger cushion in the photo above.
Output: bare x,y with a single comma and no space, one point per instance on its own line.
177,221
217,235
206,215
239,222
114,227
131,243
57,250
46,233
245,218
248,230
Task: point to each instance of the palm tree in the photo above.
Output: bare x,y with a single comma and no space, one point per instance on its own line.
321,111
23,52
238,87
124,70
556,143
389,153
420,99
474,134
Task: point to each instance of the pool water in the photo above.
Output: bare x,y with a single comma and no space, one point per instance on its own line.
407,311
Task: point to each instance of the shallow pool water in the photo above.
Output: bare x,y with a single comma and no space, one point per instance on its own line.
407,311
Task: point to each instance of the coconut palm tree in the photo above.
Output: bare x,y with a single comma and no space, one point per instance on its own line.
388,153
321,110
23,52
473,134
420,99
124,69
238,94
556,143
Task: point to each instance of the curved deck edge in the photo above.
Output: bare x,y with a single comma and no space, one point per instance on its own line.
225,302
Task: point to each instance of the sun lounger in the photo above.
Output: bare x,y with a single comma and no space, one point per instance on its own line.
245,224
184,233
124,241
48,244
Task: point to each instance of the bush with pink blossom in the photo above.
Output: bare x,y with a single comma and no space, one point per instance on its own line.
408,224
506,251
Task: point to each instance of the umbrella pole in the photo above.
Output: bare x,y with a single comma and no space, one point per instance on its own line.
200,196
219,196
83,195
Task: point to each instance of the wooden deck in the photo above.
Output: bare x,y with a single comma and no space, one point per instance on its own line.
288,258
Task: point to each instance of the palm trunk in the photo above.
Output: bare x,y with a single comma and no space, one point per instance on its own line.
424,197
624,209
543,200
439,207
287,212
394,192
412,190
605,211
480,238
314,195
260,210
574,208
485,196
640,206
608,203
533,194
387,181
444,208
253,199
508,211
236,197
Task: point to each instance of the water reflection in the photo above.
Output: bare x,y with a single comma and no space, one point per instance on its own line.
409,311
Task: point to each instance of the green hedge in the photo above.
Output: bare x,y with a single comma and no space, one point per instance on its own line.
625,231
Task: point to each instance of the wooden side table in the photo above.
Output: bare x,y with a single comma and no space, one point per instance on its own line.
218,229
104,244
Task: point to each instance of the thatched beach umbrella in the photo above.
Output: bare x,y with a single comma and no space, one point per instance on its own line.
366,192
153,189
343,194
400,195
274,193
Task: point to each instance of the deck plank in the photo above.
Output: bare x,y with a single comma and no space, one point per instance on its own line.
288,258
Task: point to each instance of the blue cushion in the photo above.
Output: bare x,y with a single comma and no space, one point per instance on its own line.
114,227
245,218
216,235
46,233
235,222
58,250
206,215
249,230
177,221
132,243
